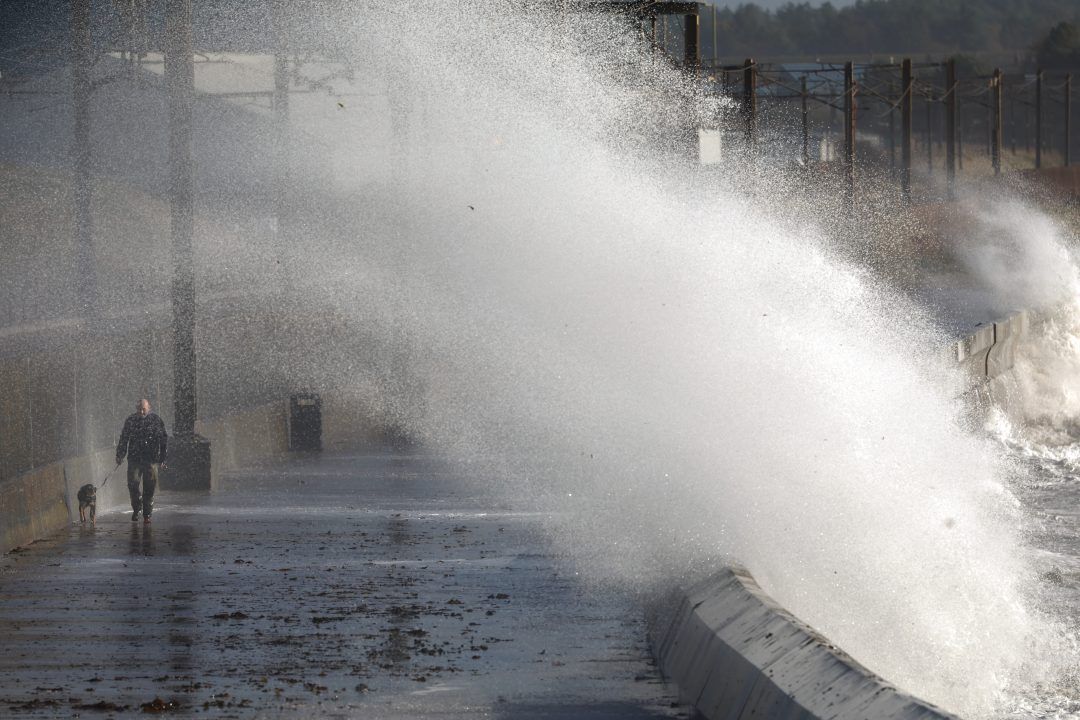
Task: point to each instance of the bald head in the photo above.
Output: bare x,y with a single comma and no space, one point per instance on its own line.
144,407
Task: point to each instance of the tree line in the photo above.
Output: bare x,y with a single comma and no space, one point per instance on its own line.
1032,30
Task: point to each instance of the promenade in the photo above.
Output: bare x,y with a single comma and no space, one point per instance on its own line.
343,586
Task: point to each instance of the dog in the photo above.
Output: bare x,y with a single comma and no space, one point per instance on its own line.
88,500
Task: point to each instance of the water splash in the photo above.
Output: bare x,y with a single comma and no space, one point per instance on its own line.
503,251
1023,258
678,374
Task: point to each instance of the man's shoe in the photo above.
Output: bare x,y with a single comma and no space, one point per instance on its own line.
135,516
146,520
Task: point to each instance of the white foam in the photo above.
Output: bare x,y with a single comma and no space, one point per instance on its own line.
682,376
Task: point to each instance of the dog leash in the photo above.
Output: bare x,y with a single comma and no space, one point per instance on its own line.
109,475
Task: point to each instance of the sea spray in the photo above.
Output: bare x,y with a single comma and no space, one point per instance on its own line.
497,243
677,375
1022,257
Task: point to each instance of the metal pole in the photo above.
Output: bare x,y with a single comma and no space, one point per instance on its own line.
929,135
959,136
849,129
180,83
30,409
691,42
805,125
281,127
82,150
950,126
892,140
997,84
1038,117
692,66
1068,119
715,39
1013,115
750,101
1027,130
905,128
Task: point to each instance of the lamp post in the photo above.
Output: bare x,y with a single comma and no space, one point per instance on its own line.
189,455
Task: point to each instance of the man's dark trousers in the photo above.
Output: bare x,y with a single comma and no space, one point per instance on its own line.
148,474
145,443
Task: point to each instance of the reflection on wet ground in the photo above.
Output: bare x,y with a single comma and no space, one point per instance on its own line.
367,585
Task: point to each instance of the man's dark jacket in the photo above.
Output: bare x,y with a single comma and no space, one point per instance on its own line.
143,439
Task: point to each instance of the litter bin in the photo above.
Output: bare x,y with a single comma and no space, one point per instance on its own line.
305,422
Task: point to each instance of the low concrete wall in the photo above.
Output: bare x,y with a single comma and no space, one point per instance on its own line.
262,434
348,421
43,500
733,652
247,438
32,505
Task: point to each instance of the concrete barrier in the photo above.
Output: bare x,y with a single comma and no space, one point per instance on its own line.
1008,332
990,350
734,653
43,500
262,434
972,351
32,505
988,355
247,438
348,420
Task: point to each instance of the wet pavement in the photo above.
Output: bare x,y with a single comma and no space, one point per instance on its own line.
373,585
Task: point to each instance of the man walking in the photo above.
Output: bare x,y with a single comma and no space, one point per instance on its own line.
144,442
